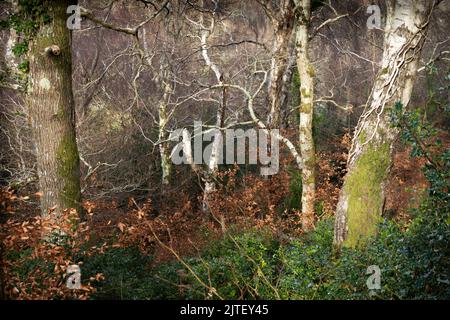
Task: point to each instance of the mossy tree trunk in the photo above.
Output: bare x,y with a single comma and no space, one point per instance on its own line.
362,196
306,74
52,112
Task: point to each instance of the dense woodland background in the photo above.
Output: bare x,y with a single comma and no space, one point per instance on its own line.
85,117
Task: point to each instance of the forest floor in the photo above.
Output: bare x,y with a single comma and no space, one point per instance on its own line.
180,229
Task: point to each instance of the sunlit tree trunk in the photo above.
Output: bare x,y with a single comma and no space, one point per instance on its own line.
52,112
306,73
213,165
163,79
213,161
166,164
362,195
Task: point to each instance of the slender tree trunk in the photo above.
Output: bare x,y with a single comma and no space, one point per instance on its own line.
52,112
278,70
287,83
213,163
282,22
166,164
163,78
362,196
306,73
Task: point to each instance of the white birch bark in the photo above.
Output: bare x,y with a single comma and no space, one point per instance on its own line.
306,108
213,165
163,136
163,78
362,195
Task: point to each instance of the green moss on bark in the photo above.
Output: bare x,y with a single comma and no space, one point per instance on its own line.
51,33
306,108
68,171
305,93
365,196
311,71
362,137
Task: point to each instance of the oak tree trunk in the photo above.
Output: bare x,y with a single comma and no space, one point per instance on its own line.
52,112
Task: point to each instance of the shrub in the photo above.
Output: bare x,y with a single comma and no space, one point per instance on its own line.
240,266
414,263
124,270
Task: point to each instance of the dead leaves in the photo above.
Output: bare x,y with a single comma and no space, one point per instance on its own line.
122,227
29,242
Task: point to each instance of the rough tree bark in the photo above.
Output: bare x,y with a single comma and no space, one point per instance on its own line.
282,19
287,82
52,112
306,73
362,195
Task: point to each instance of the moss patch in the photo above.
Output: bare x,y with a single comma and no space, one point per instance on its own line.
306,108
364,189
311,71
68,171
305,93
362,137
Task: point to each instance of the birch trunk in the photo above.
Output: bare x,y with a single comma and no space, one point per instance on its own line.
213,161
213,164
362,196
162,78
166,164
52,113
306,73
283,26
